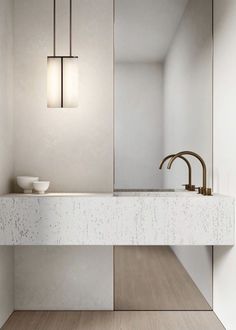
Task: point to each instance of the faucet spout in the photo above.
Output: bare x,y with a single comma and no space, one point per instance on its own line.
204,190
188,186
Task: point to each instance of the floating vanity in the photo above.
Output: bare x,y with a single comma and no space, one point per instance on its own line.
133,218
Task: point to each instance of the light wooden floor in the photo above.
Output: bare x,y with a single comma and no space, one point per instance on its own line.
152,278
113,321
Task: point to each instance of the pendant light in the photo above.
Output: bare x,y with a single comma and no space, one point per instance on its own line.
62,73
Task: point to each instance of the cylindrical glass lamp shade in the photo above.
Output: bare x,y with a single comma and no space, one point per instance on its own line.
62,82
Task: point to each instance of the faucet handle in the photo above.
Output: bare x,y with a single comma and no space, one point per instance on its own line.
192,187
186,186
199,190
189,187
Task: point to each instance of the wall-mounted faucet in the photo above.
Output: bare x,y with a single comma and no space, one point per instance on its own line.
202,190
188,186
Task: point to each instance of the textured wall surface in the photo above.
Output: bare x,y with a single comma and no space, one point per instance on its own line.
6,95
6,283
73,148
6,149
80,278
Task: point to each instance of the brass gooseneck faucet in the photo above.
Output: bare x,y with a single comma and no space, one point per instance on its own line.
202,190
188,186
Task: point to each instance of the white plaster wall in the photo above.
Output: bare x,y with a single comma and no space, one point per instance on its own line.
138,125
224,150
6,151
64,278
6,95
73,148
188,92
188,118
6,283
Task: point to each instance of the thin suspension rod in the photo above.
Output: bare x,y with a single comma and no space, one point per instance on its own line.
54,27
70,27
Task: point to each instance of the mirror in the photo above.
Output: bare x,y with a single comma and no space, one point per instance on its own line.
163,278
163,105
163,90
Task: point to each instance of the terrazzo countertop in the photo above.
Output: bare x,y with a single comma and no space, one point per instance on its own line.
129,218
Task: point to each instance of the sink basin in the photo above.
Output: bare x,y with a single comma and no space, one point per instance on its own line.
154,193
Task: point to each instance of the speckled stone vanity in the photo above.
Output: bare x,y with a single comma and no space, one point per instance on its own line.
155,218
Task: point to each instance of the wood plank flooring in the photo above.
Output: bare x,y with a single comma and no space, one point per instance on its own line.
152,278
28,320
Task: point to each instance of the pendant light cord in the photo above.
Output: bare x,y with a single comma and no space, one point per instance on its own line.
54,27
70,27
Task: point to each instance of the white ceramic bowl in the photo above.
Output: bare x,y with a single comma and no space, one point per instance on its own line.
41,186
26,183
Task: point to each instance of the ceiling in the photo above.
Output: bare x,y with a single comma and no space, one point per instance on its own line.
144,29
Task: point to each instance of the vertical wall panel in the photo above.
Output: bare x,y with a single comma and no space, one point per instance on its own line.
6,148
224,150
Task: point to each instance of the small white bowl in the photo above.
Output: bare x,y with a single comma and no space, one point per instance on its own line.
26,183
41,186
